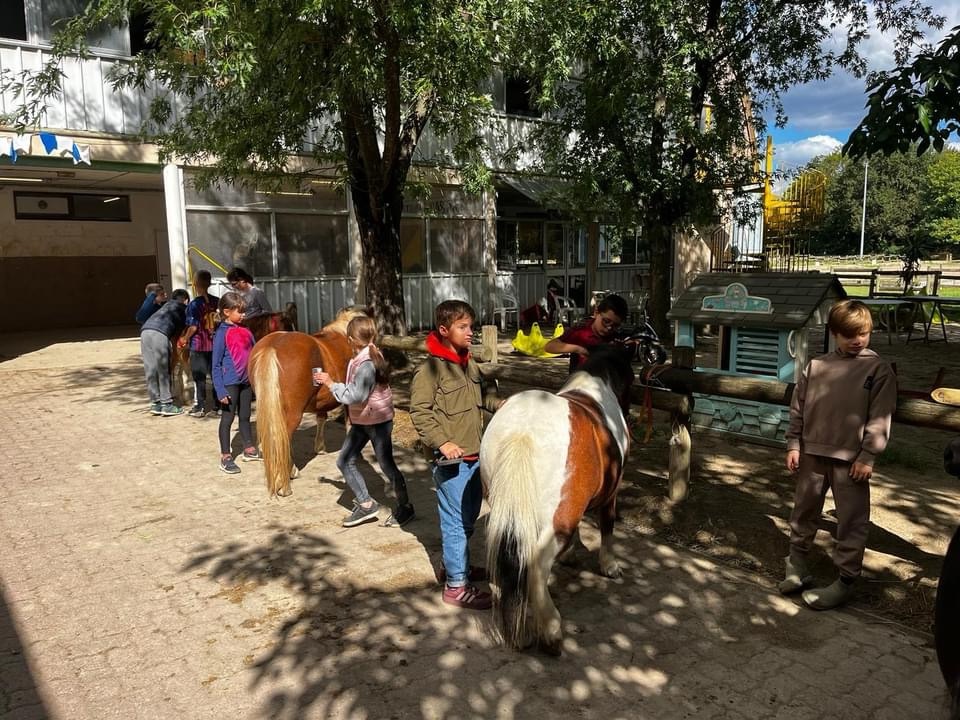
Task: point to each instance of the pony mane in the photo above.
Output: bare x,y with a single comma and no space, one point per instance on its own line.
610,364
343,318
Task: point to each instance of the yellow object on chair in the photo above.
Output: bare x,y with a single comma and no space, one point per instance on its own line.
532,344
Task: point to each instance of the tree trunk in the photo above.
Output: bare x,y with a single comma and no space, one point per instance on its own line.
661,251
382,269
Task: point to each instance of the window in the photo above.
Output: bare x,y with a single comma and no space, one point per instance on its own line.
232,240
13,21
312,245
518,93
622,246
555,234
456,246
519,244
62,206
54,14
413,245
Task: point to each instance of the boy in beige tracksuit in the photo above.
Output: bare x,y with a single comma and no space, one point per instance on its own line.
840,418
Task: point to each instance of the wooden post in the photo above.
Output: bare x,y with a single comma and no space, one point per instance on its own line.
488,351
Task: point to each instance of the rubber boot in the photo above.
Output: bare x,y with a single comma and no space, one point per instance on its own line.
829,597
797,576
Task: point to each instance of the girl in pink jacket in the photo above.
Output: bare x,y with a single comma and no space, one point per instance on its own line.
369,401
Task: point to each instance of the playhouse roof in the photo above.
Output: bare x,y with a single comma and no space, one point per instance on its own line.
795,299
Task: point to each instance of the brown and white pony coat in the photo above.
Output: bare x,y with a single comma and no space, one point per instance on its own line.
546,459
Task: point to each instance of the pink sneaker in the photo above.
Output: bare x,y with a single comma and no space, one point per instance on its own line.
467,597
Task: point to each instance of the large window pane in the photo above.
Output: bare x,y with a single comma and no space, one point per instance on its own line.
555,233
54,15
529,243
312,245
318,195
506,245
578,248
413,245
456,245
232,240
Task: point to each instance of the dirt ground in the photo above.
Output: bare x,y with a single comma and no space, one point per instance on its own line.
741,494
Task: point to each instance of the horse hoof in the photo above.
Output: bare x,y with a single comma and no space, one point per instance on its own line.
612,570
284,492
551,647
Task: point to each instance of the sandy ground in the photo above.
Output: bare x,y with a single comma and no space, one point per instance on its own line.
137,581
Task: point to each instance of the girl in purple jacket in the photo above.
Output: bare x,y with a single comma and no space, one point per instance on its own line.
232,344
366,393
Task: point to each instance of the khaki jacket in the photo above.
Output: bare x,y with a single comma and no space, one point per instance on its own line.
447,403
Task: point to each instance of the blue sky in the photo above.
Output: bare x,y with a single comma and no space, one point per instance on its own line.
821,115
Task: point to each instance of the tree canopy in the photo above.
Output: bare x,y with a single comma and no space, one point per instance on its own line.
914,104
913,203
360,79
662,116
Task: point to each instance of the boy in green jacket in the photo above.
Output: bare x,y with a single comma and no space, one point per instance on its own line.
446,402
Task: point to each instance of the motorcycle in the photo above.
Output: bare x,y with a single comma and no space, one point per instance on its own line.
649,350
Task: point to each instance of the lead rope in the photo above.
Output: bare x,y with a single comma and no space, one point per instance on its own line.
652,373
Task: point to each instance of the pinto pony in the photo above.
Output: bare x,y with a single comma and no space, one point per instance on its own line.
545,460
280,368
263,325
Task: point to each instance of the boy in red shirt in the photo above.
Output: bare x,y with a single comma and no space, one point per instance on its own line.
601,328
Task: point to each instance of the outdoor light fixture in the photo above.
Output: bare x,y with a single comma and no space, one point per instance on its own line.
20,179
111,199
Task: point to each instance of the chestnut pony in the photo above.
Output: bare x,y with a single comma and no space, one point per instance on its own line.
546,459
280,373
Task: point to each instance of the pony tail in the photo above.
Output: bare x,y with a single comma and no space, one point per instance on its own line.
264,367
380,364
513,531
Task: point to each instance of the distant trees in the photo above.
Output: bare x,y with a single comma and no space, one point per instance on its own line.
913,203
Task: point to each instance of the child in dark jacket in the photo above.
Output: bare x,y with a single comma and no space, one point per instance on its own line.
161,329
840,417
232,344
369,401
156,296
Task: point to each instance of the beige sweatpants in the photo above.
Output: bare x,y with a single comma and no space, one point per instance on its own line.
816,475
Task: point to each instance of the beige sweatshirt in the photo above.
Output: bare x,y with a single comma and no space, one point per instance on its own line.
842,407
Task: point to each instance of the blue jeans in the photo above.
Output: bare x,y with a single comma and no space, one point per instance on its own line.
380,436
459,496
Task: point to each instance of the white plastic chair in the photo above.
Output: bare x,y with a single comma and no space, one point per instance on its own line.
506,304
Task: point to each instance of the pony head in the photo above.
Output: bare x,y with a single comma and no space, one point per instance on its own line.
610,363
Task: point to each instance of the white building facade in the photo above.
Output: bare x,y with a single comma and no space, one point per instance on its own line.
93,220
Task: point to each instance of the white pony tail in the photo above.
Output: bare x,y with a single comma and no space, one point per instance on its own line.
513,529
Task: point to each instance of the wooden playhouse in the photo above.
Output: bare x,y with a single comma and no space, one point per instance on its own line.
763,324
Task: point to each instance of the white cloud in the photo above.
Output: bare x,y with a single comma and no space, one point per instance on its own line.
795,154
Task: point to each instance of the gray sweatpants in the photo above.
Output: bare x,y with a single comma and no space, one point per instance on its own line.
155,349
852,499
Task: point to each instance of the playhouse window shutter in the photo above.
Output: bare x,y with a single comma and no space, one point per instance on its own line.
757,351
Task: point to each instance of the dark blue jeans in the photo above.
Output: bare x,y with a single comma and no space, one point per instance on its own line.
353,444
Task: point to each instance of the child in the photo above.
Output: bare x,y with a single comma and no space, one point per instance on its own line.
446,402
156,296
201,323
255,302
602,328
158,332
232,344
369,401
839,422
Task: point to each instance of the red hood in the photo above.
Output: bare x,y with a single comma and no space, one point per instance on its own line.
436,348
